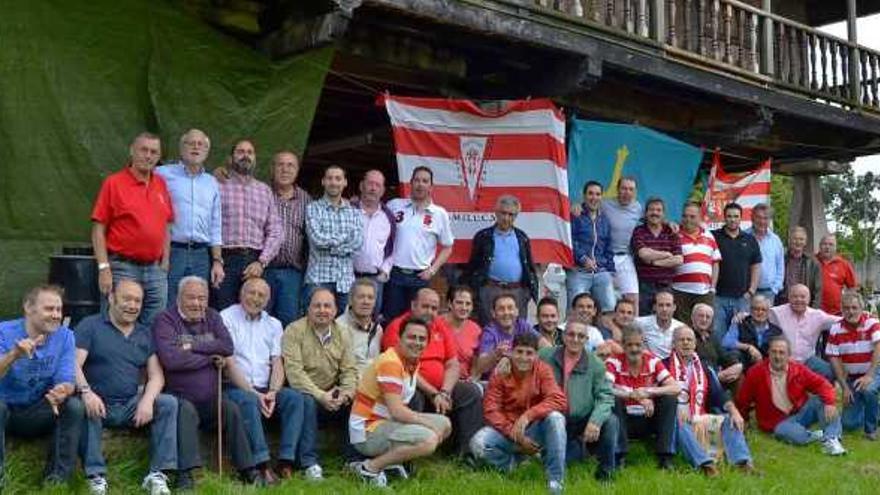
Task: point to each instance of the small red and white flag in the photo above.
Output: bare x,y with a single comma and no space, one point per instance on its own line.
478,155
746,189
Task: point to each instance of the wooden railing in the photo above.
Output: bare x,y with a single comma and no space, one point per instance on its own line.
745,40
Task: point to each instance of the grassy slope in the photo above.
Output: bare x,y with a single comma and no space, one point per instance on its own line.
785,469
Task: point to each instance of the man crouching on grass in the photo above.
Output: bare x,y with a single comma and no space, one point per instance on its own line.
381,426
525,412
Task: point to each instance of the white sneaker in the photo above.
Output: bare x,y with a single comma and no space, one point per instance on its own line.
554,487
815,435
376,479
314,473
397,470
832,446
97,485
156,483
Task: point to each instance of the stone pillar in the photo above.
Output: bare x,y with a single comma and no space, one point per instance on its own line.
808,209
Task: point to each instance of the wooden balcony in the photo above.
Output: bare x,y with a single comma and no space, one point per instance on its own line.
737,39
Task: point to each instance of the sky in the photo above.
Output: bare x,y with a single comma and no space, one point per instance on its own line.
868,32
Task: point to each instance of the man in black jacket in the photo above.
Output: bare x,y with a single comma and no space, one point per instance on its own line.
501,262
752,335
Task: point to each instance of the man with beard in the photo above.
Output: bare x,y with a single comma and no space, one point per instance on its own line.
285,271
252,230
196,234
657,252
800,268
131,219
36,382
113,352
421,225
525,411
373,260
335,233
788,398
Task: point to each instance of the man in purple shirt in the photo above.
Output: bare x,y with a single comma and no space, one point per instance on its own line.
497,337
252,230
191,342
657,251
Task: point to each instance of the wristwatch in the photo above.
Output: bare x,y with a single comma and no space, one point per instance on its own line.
81,389
103,266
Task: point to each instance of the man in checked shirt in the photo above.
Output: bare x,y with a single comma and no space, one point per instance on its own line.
251,226
335,230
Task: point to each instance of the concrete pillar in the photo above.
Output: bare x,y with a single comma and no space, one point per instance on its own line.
808,209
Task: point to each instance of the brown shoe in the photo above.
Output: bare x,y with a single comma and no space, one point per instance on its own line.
268,476
747,469
709,470
285,471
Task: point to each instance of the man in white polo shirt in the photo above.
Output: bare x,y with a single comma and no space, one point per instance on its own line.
624,214
421,226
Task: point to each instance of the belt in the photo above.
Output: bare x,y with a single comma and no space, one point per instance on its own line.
126,259
406,271
190,245
365,274
240,250
765,289
622,253
504,285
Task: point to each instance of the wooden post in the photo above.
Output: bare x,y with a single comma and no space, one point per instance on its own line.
767,42
659,20
854,59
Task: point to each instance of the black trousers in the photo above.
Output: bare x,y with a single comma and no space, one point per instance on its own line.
193,417
466,415
604,448
661,425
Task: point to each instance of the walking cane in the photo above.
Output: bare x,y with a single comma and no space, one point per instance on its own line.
218,361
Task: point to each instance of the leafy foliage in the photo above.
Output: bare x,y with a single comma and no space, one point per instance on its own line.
851,203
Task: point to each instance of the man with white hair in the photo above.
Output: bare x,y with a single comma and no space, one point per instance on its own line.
751,334
501,262
725,363
196,234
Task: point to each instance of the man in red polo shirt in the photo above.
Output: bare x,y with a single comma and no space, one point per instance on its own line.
837,274
439,388
130,235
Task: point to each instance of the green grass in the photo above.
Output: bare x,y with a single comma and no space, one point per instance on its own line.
785,469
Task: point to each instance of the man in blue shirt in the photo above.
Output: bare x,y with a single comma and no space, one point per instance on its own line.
196,234
594,261
36,381
501,262
113,351
772,276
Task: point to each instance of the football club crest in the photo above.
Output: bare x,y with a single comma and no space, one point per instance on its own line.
473,148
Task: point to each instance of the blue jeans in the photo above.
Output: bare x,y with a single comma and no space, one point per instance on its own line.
288,410
315,414
862,413
152,278
725,309
38,419
819,365
285,302
735,447
794,428
497,450
185,262
600,285
340,297
400,290
163,433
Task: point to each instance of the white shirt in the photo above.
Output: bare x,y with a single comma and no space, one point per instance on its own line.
370,258
657,340
418,233
256,343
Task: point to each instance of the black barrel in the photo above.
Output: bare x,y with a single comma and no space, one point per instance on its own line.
77,272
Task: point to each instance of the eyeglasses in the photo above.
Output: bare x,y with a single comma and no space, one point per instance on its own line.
576,336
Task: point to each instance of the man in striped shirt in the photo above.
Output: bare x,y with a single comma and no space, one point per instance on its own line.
657,252
853,349
694,280
381,425
251,227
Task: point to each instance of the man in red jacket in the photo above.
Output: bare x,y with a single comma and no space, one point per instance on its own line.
788,397
525,411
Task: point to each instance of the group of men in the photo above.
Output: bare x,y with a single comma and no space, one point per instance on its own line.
230,303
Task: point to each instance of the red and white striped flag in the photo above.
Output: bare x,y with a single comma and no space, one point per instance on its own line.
478,155
746,189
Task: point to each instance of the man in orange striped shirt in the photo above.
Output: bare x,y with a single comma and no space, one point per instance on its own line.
381,425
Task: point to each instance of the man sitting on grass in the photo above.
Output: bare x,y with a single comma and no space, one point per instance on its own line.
701,397
525,412
645,393
788,397
381,425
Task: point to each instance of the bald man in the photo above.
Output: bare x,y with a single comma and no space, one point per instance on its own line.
373,259
802,326
837,274
257,376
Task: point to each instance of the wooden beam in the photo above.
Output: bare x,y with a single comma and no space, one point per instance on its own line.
347,143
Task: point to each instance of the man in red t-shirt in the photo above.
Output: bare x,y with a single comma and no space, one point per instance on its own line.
439,387
837,274
645,396
130,234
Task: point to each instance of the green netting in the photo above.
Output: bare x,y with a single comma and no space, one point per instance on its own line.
79,79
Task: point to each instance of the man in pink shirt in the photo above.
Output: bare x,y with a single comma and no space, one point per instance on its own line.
802,326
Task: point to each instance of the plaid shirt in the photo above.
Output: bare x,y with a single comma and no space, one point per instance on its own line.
335,235
293,225
250,217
